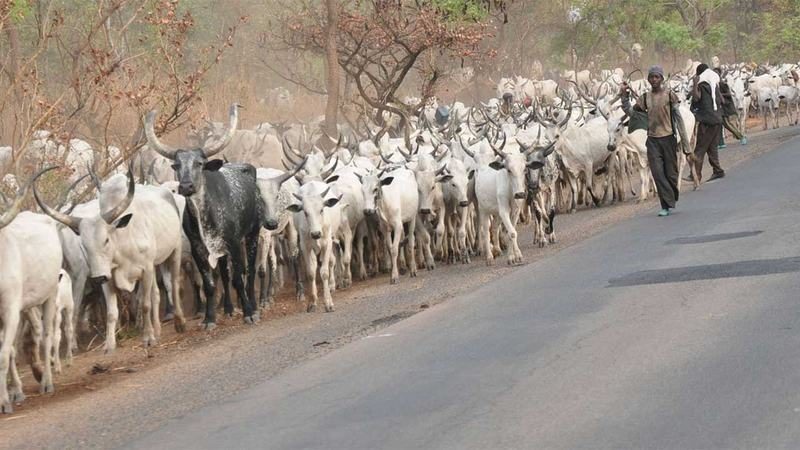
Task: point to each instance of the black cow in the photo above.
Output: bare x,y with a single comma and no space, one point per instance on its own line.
223,208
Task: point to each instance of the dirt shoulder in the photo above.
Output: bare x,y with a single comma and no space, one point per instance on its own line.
104,400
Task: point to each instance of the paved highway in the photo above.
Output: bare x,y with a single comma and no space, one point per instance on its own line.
678,332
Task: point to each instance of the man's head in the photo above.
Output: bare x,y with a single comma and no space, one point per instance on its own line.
701,68
655,76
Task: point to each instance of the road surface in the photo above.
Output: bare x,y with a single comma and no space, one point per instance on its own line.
678,332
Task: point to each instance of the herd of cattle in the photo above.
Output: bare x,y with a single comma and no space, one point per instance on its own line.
451,183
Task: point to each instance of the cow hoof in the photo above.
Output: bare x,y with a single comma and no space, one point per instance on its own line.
168,317
108,350
17,397
149,342
489,262
311,308
6,408
394,280
208,326
249,320
430,266
329,308
180,325
46,388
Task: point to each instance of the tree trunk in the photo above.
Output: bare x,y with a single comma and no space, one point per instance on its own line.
332,71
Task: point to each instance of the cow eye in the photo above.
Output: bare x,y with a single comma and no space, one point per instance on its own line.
175,166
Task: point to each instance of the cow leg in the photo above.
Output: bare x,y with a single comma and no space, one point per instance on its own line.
163,284
237,262
275,279
486,239
33,347
411,261
225,277
78,286
146,288
251,247
425,242
462,235
48,317
514,253
395,233
326,272
311,276
294,254
174,275
112,316
360,236
200,257
573,188
57,341
69,332
155,304
15,394
264,249
347,256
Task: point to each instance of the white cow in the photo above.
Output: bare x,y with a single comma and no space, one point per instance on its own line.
791,96
394,197
131,235
768,103
318,214
31,260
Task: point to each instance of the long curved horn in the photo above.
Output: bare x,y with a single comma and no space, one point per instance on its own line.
325,192
499,152
550,148
566,119
93,174
525,149
152,173
407,156
72,186
70,221
465,148
117,211
152,140
214,148
328,172
384,158
441,170
290,173
582,94
290,154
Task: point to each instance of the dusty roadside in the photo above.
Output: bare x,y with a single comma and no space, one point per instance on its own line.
102,400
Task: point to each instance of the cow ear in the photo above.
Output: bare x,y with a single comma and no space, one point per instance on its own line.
387,181
533,165
747,95
471,174
213,165
444,178
626,123
332,201
332,179
294,207
123,221
496,165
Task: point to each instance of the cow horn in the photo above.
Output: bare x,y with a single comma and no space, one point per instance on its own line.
117,211
70,221
325,192
549,149
465,148
499,152
582,94
152,140
566,119
441,170
384,158
214,148
407,156
289,174
525,148
328,172
71,187
93,174
290,152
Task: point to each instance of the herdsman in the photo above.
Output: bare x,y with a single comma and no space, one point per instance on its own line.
663,121
707,108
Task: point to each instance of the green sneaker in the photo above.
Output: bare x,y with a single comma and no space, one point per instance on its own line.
664,212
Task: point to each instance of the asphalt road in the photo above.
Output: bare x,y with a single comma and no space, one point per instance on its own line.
679,332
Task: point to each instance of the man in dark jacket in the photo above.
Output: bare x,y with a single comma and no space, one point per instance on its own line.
707,108
730,116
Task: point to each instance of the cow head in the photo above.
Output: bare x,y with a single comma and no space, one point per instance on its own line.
454,181
99,234
10,208
311,200
371,186
616,127
514,164
190,164
270,189
535,159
